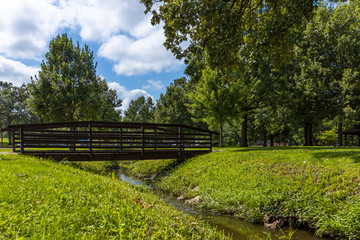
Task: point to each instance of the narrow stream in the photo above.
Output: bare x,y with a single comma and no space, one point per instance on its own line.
237,228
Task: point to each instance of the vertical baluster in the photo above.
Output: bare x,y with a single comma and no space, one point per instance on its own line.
180,150
13,139
142,141
90,142
21,141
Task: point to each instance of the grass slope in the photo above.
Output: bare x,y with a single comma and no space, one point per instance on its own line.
46,200
318,186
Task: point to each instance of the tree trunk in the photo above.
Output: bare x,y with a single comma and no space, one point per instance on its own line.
264,137
340,142
271,140
310,135
244,131
306,134
221,135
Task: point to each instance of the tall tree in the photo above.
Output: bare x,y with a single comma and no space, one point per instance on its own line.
67,87
140,110
328,56
13,106
214,96
222,28
173,106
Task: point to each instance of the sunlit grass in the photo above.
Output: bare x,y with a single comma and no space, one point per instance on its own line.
40,199
5,141
319,186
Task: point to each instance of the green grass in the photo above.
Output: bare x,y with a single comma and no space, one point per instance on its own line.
318,186
5,149
148,168
40,199
5,142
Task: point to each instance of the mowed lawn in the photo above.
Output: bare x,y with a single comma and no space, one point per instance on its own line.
317,186
41,199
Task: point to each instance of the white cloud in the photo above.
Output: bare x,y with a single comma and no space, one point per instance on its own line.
127,95
139,56
155,85
15,72
99,19
26,27
121,28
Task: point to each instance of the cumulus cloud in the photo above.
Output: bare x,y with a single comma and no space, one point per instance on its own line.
127,95
121,28
139,56
99,19
26,27
15,72
155,85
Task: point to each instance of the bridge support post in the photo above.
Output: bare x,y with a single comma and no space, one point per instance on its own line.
121,140
73,145
21,141
142,141
155,140
180,149
13,140
90,142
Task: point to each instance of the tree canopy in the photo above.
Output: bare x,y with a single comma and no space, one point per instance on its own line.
222,28
140,110
67,87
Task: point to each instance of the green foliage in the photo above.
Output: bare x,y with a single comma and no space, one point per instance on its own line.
317,186
222,29
329,137
172,107
214,97
324,85
68,89
47,200
140,110
13,106
149,168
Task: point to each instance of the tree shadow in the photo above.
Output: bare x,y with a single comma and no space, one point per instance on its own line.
263,149
353,155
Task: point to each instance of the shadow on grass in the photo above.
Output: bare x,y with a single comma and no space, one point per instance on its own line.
251,149
350,154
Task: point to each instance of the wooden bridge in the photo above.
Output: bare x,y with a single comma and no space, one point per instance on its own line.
106,141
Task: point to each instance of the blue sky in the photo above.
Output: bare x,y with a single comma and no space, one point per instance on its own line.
128,50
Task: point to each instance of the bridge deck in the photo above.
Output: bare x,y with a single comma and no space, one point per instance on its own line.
106,141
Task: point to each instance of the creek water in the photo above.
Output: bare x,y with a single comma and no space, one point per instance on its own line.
237,228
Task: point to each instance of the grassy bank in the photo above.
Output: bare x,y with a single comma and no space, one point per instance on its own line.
46,200
316,187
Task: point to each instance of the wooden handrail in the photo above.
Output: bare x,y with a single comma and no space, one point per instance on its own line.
117,138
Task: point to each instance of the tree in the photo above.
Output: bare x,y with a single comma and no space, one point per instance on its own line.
13,106
172,107
222,28
68,89
328,56
213,95
140,110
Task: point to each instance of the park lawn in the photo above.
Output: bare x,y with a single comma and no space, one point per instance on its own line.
5,149
41,199
5,141
318,186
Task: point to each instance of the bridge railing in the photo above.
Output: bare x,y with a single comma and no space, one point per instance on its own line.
104,140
